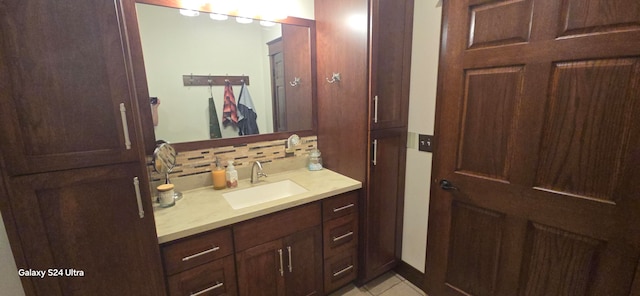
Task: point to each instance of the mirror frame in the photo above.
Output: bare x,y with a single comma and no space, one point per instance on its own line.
142,89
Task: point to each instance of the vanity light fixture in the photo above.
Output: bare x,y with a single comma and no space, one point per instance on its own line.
243,20
218,16
189,12
267,23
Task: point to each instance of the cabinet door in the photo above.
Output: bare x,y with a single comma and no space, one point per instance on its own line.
63,76
384,205
303,270
84,227
261,270
392,23
342,106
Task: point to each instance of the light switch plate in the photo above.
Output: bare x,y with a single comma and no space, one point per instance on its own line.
425,143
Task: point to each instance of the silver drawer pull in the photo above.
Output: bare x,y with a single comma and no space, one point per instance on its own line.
375,108
335,210
350,267
125,126
290,261
200,254
136,185
348,234
218,285
281,265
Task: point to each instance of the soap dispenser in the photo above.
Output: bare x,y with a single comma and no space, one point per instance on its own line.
218,175
232,175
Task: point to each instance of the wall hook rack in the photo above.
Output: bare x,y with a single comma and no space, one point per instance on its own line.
213,80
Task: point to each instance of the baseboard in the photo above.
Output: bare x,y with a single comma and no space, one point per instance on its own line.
411,274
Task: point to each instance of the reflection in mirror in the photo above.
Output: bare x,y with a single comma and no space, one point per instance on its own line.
277,60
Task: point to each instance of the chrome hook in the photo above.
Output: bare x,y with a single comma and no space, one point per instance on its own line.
334,78
295,82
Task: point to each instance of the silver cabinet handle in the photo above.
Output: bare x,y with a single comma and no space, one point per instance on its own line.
335,210
136,185
343,271
125,126
348,234
375,109
218,285
375,152
200,254
281,265
290,262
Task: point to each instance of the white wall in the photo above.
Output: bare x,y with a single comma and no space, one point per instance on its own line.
9,281
422,101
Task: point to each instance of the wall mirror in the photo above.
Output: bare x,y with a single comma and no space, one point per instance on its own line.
187,61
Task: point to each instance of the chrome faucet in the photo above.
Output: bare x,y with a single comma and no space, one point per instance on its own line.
256,174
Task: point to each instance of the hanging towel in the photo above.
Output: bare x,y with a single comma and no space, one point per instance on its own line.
229,111
246,113
214,124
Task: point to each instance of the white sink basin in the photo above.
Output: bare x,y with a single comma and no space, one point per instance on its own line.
262,193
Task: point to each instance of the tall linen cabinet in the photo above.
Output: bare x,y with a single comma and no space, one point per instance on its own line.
73,191
362,117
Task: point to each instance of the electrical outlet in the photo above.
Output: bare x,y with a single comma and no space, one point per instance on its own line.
425,143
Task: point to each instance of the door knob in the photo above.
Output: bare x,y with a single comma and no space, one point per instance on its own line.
446,185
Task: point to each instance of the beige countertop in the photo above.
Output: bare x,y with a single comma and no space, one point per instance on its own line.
205,209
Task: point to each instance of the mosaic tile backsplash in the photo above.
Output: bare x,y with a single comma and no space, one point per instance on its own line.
199,161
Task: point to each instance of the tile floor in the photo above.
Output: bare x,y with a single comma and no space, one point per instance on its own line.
388,284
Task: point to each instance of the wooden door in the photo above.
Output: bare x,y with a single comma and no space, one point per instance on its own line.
276,60
63,76
390,50
261,270
83,227
539,135
383,207
303,270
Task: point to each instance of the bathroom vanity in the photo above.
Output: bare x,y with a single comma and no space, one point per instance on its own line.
304,244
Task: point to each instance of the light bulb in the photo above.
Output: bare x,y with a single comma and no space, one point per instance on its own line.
267,23
218,17
189,12
243,20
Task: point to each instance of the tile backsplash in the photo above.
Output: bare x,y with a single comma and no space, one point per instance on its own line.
196,162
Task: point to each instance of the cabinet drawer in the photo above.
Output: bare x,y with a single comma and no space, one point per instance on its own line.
341,205
185,254
214,278
263,229
340,270
340,234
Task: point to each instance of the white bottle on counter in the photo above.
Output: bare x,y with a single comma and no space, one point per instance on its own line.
232,176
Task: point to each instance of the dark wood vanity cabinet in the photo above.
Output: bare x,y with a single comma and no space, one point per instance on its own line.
87,220
75,194
340,240
280,254
383,227
368,105
201,265
64,78
390,55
